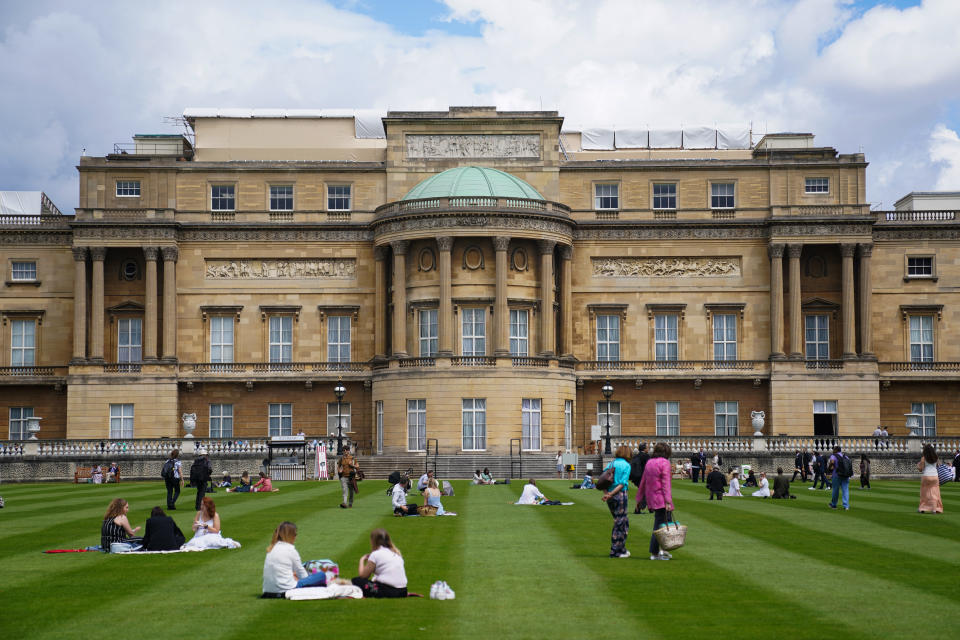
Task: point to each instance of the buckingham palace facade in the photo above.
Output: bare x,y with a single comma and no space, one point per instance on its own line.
473,278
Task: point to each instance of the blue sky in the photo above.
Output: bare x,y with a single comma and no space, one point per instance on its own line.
883,77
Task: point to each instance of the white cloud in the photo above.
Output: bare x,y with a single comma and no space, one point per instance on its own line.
945,151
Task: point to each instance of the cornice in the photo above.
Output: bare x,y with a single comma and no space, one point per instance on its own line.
9,237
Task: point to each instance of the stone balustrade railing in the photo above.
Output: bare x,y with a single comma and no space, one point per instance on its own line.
671,365
470,204
916,216
789,444
127,448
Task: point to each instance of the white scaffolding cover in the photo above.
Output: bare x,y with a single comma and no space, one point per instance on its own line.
733,137
367,123
632,138
699,138
666,138
596,139
21,203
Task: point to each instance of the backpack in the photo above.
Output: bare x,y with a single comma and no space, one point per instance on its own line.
167,472
844,467
198,472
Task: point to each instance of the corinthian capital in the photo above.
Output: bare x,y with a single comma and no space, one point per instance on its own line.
775,250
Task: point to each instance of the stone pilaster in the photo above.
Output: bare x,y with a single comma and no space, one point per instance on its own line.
400,298
566,301
866,296
546,297
796,315
170,256
501,312
445,311
776,300
79,305
380,303
847,304
150,308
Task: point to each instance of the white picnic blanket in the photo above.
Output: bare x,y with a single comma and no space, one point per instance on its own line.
325,593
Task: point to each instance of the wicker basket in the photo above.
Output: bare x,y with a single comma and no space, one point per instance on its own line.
671,536
427,510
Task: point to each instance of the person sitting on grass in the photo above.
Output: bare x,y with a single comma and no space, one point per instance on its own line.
751,480
486,478
734,490
431,497
227,481
381,573
781,486
162,533
116,534
477,478
244,486
207,530
282,569
264,484
715,483
764,490
399,499
531,494
587,482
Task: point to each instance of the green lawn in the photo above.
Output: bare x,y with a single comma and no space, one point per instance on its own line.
752,568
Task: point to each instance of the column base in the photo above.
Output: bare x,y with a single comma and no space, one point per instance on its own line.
149,359
546,354
795,356
502,353
399,354
96,360
169,359
445,354
849,356
872,357
77,361
778,356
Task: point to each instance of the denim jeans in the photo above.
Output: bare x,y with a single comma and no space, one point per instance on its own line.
840,484
318,579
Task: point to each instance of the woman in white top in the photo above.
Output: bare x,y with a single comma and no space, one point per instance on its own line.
531,495
734,490
764,490
282,569
930,501
206,530
382,574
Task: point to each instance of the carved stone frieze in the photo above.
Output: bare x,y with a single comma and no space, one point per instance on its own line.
473,146
668,267
284,269
276,235
927,233
671,233
131,232
807,229
21,237
432,223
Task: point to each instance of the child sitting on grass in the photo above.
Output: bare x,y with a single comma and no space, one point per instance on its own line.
264,484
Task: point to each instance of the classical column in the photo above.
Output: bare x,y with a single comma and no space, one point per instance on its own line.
866,293
445,312
776,300
796,324
400,298
79,304
170,255
98,255
566,301
380,302
849,315
501,311
150,310
546,297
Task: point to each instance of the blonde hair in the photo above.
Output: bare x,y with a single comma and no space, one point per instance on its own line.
285,532
432,484
380,538
115,509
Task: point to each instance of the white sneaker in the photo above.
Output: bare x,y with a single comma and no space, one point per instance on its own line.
666,554
811,488
448,592
625,554
433,591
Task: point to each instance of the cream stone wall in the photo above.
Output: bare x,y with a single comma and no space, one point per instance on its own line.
154,402
793,389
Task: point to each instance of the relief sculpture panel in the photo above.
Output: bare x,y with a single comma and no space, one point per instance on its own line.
473,146
292,269
666,267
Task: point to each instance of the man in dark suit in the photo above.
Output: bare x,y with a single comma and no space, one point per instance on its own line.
698,463
806,464
637,465
781,486
956,467
798,466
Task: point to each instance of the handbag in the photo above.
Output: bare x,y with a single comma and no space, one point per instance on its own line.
605,481
671,535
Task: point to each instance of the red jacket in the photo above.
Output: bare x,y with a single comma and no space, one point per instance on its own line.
655,484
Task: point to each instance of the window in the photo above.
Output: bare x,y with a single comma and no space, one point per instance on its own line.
129,340
927,411
338,197
721,195
665,337
474,331
921,338
121,420
824,417
917,267
474,424
280,419
221,420
816,185
614,407
416,425
23,343
606,196
222,197
345,421
281,338
24,271
18,422
725,418
817,336
518,332
724,336
379,414
668,418
428,333
281,197
530,430
338,339
567,423
608,338
128,188
665,195
221,339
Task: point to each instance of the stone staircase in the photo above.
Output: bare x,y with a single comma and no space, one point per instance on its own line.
535,465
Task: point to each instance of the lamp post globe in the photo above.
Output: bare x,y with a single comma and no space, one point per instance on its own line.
339,391
607,390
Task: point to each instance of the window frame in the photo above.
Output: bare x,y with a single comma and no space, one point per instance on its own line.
599,198
20,261
724,411
23,349
668,409
21,420
807,316
732,195
473,312
429,344
666,342
346,414
378,416
417,409
605,319
214,199
276,411
280,344
478,408
925,417
517,340
340,344
218,418
531,411
330,198
812,186
130,319
219,319
117,188
616,417
921,344
932,276
271,198
656,198
123,416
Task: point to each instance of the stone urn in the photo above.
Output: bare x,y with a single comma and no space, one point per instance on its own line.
913,423
189,424
33,426
757,419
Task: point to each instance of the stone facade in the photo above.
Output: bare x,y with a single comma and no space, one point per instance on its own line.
789,295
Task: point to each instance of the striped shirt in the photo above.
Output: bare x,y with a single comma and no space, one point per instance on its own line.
111,532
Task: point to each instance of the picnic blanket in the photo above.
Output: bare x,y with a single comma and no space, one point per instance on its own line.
325,593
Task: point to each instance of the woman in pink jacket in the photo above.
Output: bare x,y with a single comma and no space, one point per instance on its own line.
655,487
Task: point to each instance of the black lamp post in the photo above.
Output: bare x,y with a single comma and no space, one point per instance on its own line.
338,391
607,390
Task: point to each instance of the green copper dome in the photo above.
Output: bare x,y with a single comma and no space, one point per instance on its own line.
473,181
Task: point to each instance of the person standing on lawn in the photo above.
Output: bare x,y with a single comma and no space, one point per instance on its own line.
715,483
637,464
616,499
956,466
655,487
200,472
698,461
798,467
930,501
838,467
347,470
864,471
173,479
